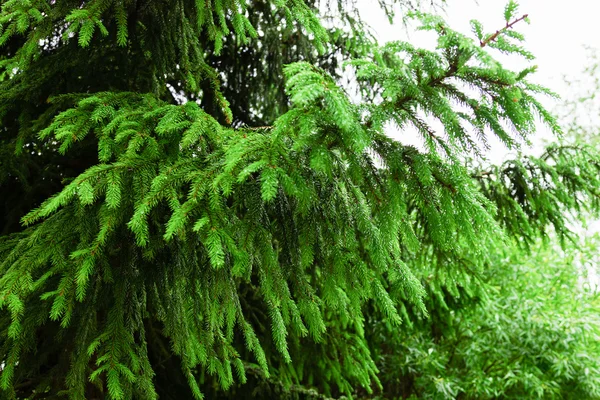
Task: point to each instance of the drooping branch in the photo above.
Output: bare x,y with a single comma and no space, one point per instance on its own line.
493,36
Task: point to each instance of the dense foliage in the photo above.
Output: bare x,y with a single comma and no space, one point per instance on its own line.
536,334
195,207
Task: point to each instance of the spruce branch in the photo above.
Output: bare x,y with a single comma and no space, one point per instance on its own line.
508,26
291,235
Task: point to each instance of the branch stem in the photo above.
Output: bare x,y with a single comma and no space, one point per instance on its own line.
495,35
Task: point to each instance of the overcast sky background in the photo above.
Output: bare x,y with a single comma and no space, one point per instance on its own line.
558,34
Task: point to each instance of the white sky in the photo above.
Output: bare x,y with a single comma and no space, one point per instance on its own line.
557,36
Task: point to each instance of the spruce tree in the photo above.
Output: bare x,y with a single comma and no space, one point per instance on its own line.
194,205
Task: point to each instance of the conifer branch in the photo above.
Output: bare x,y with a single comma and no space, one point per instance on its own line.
193,247
495,35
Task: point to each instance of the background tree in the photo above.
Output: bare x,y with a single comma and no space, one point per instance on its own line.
241,237
535,334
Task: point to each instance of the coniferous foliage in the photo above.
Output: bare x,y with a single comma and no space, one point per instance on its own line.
182,220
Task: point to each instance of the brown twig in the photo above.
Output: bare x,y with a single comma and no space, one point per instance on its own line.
493,37
258,128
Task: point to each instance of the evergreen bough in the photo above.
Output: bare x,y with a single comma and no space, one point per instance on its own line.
183,240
